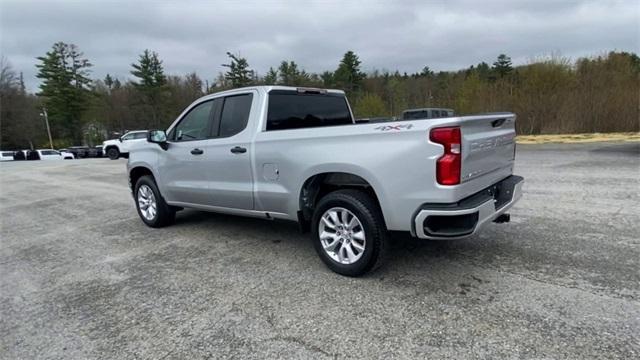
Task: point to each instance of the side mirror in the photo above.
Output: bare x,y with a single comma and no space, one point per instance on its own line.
158,137
120,138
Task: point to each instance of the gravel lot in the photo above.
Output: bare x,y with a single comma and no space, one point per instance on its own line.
82,277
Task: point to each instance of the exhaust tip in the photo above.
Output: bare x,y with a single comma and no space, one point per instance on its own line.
503,218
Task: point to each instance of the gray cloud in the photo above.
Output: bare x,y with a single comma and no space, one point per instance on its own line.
194,35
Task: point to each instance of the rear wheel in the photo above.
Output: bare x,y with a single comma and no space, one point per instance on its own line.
152,208
113,153
349,232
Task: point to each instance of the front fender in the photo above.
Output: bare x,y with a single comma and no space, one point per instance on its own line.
146,157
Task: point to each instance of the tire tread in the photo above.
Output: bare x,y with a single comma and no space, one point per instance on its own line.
371,210
166,214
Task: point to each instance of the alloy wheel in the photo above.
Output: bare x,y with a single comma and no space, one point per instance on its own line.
147,202
342,235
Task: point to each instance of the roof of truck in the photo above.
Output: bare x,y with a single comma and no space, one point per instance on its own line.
268,88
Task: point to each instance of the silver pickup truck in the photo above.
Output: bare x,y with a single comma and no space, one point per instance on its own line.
297,154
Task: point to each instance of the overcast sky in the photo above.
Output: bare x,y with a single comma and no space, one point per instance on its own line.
195,35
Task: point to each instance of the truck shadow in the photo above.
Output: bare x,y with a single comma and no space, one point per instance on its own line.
404,251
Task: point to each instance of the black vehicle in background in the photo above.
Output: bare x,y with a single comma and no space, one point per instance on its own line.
427,113
78,151
33,155
95,151
19,155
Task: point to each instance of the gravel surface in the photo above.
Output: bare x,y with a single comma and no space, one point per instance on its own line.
81,277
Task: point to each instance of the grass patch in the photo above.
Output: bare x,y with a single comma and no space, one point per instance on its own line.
577,138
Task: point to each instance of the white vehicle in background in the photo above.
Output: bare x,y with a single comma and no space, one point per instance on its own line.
67,155
50,154
6,155
120,147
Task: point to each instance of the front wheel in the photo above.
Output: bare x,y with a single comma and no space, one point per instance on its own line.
152,208
349,232
113,153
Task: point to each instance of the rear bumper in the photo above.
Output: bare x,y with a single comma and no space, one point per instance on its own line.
466,217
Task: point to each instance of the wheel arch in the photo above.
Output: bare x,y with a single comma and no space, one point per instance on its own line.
318,185
111,146
136,173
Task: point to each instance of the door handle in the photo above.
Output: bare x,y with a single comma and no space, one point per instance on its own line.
197,151
238,150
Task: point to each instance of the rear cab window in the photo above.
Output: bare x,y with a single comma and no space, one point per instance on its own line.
234,115
290,109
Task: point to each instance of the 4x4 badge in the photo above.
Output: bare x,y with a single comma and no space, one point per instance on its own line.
394,127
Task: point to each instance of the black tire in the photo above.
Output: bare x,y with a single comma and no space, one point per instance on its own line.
165,214
370,216
113,153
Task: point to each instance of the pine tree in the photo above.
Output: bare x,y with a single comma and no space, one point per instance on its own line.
272,77
503,65
290,75
327,79
288,71
484,71
108,81
79,68
149,71
64,73
151,84
426,72
348,75
239,74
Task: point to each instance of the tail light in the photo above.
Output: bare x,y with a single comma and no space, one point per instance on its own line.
448,165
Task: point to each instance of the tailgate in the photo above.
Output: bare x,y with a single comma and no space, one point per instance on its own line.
488,144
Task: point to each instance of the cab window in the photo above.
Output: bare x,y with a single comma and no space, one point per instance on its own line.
234,115
195,125
292,110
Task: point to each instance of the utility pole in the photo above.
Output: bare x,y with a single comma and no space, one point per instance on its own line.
46,120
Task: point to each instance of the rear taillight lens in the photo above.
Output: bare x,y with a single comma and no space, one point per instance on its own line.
448,165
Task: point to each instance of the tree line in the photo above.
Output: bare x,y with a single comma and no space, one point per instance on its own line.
550,95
